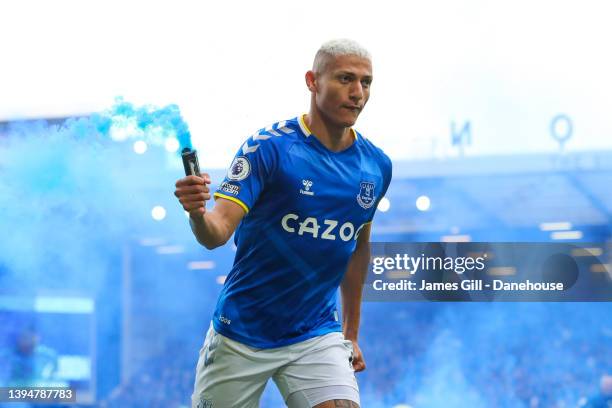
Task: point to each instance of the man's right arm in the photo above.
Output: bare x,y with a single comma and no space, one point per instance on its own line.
211,228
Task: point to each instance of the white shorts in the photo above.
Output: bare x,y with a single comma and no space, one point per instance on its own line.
230,374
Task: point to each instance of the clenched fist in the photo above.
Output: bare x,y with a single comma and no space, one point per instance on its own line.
193,192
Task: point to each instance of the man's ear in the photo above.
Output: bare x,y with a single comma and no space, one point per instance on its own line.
311,81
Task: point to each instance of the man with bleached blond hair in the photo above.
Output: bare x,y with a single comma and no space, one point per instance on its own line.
299,198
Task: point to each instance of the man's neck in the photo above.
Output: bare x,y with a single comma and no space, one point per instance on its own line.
333,137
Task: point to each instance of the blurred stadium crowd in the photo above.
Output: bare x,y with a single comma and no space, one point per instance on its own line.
440,355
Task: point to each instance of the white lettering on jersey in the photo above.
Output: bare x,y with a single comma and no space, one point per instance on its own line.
358,231
305,227
343,235
310,225
331,224
285,220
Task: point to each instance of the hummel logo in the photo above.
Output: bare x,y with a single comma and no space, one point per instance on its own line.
307,185
213,343
209,358
205,403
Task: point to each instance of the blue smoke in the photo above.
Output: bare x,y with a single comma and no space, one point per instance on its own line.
151,121
70,192
514,355
74,195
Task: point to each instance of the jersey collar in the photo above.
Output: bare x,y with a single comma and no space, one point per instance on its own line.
307,131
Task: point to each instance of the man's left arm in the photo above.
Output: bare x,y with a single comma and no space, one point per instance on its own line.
351,289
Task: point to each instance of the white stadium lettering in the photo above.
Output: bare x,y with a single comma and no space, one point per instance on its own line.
331,224
349,226
311,226
305,227
285,219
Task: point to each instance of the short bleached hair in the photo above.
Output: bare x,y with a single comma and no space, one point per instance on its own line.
336,48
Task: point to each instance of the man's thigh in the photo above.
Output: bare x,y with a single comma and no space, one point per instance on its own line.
321,371
338,404
231,374
332,397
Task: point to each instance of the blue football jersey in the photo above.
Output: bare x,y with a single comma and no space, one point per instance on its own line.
305,206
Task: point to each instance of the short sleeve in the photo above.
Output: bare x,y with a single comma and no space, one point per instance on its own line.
248,173
388,175
387,171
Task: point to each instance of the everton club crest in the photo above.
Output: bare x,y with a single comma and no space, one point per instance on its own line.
366,198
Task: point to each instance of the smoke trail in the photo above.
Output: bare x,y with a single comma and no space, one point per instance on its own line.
70,193
155,125
446,383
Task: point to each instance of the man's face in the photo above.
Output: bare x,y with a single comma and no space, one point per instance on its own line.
343,89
